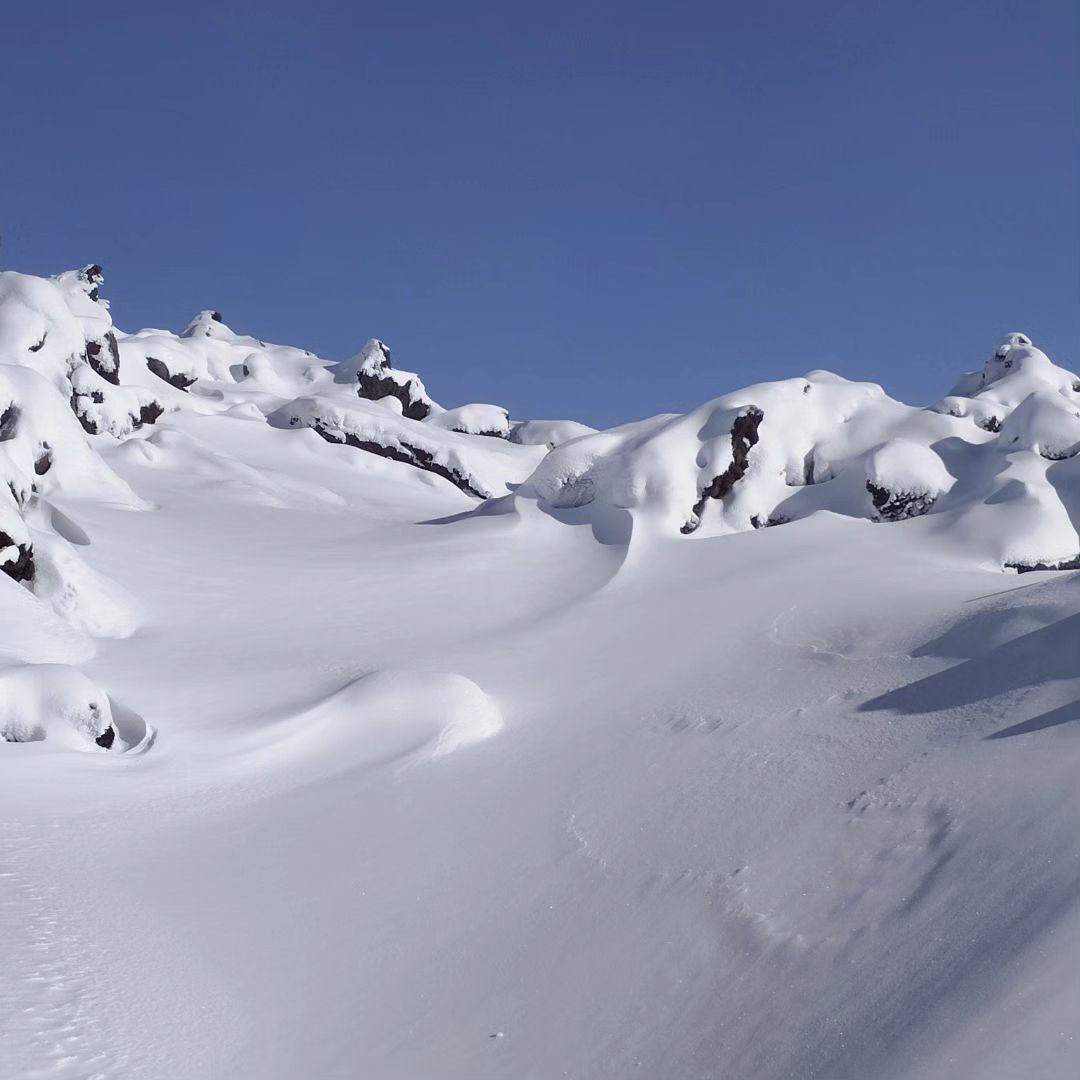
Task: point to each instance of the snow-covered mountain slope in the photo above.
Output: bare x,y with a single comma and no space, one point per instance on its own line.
343,741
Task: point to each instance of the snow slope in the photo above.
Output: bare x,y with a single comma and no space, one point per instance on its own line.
724,745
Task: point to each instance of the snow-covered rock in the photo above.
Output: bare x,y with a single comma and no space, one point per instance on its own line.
992,453
63,330
476,466
377,379
56,702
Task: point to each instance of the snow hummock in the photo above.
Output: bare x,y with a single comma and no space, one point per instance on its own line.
348,742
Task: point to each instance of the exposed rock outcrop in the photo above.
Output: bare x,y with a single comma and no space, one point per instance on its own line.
744,435
378,379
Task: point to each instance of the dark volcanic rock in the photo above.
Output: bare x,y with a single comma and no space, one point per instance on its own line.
22,567
408,455
897,505
9,422
43,461
374,382
159,368
93,276
1027,567
150,412
744,435
104,357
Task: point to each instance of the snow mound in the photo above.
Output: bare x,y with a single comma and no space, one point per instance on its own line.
55,702
384,716
476,419
549,433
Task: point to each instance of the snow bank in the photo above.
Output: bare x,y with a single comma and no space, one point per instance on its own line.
380,717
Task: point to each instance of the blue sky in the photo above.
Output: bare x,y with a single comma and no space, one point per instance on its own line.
600,210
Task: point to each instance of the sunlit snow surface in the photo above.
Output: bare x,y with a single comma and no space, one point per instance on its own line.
573,780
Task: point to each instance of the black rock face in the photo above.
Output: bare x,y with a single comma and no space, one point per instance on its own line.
408,455
159,368
78,407
1026,567
104,357
149,413
94,276
897,505
43,461
22,568
9,422
375,387
106,738
373,384
744,435
759,522
483,434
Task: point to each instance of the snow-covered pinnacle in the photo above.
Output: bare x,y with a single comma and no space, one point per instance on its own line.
87,280
207,323
378,380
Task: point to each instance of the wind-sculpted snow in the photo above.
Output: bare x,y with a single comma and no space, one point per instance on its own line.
381,717
712,745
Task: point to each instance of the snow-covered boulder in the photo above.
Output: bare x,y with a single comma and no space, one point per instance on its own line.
377,379
905,479
55,702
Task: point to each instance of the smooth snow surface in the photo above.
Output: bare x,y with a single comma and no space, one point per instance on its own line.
337,742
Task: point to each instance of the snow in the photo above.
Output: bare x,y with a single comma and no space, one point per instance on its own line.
441,754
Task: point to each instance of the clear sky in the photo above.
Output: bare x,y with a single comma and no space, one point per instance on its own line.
601,210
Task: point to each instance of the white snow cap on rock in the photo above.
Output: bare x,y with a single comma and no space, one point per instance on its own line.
55,702
375,377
